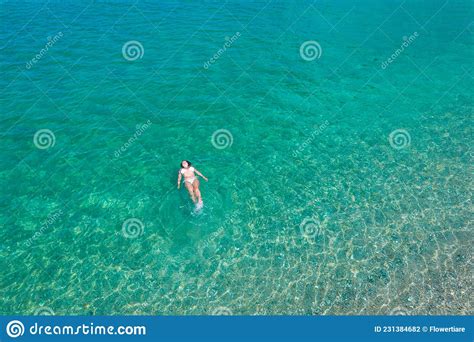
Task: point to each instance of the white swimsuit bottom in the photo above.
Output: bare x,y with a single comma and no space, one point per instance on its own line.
190,180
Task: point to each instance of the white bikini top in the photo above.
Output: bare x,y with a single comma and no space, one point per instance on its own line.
184,170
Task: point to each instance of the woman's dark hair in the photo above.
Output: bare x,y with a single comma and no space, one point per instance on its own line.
187,161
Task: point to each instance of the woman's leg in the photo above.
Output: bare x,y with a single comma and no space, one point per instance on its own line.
197,192
190,190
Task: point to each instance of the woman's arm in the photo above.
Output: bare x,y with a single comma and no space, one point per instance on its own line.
179,178
200,174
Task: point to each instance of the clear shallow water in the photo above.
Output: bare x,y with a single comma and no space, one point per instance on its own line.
310,210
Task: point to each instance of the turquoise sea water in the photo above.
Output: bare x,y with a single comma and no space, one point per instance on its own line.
338,185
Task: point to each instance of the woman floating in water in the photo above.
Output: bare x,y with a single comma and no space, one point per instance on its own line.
191,181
